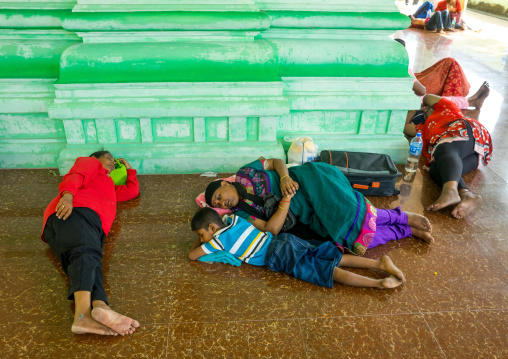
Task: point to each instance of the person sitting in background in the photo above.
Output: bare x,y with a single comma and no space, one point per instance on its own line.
454,9
436,22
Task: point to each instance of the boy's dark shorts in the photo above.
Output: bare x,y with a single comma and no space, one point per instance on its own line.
311,263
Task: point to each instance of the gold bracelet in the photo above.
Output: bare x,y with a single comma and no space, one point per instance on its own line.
283,177
283,208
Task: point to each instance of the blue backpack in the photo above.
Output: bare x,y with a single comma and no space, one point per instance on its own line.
421,13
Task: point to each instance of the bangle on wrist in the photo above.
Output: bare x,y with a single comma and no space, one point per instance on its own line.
283,177
284,208
285,202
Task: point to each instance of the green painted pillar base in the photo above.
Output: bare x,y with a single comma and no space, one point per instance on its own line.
31,42
185,158
28,137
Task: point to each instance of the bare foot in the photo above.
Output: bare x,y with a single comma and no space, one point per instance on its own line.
119,323
448,197
479,97
469,202
84,324
422,235
387,265
390,282
419,221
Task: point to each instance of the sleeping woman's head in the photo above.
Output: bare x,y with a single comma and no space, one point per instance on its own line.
106,158
222,194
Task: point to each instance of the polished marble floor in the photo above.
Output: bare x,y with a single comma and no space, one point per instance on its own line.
454,304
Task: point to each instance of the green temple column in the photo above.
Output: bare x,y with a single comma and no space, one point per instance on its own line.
181,86
345,79
183,90
31,42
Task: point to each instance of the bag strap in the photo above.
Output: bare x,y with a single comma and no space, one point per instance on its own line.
347,160
330,157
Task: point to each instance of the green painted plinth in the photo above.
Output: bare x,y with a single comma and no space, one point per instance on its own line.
181,87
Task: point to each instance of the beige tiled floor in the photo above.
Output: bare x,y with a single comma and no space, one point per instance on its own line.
454,304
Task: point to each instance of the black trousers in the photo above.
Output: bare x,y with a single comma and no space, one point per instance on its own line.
77,242
454,159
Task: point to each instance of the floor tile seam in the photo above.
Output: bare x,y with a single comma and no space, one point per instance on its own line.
142,325
491,254
173,281
303,339
433,336
167,342
296,318
413,298
248,345
500,175
467,310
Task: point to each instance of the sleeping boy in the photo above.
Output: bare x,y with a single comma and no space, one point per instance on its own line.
317,264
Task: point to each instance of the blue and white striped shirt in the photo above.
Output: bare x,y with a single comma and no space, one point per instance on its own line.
241,239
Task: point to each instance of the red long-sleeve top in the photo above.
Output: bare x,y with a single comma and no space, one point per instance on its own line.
441,6
91,186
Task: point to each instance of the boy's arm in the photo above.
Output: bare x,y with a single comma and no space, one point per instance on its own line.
196,251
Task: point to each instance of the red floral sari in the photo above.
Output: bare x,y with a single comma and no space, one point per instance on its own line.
446,124
445,78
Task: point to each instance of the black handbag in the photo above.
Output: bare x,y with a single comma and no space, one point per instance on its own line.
271,205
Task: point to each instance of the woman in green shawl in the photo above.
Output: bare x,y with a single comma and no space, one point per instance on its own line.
321,198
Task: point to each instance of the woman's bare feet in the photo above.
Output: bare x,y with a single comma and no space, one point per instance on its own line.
479,97
390,282
418,221
469,202
422,235
84,324
119,323
449,195
387,265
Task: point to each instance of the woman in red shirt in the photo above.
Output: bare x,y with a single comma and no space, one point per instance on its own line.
454,8
453,145
75,225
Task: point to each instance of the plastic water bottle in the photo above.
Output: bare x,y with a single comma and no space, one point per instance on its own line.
415,150
453,24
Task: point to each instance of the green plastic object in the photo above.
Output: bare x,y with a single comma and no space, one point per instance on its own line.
119,174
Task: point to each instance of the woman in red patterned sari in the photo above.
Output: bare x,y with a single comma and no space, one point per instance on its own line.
444,78
453,145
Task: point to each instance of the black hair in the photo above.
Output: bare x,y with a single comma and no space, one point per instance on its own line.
204,217
213,186
401,42
210,190
99,154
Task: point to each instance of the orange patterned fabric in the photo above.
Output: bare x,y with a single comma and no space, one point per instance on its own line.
445,78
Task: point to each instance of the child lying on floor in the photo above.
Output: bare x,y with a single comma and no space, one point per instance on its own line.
285,252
